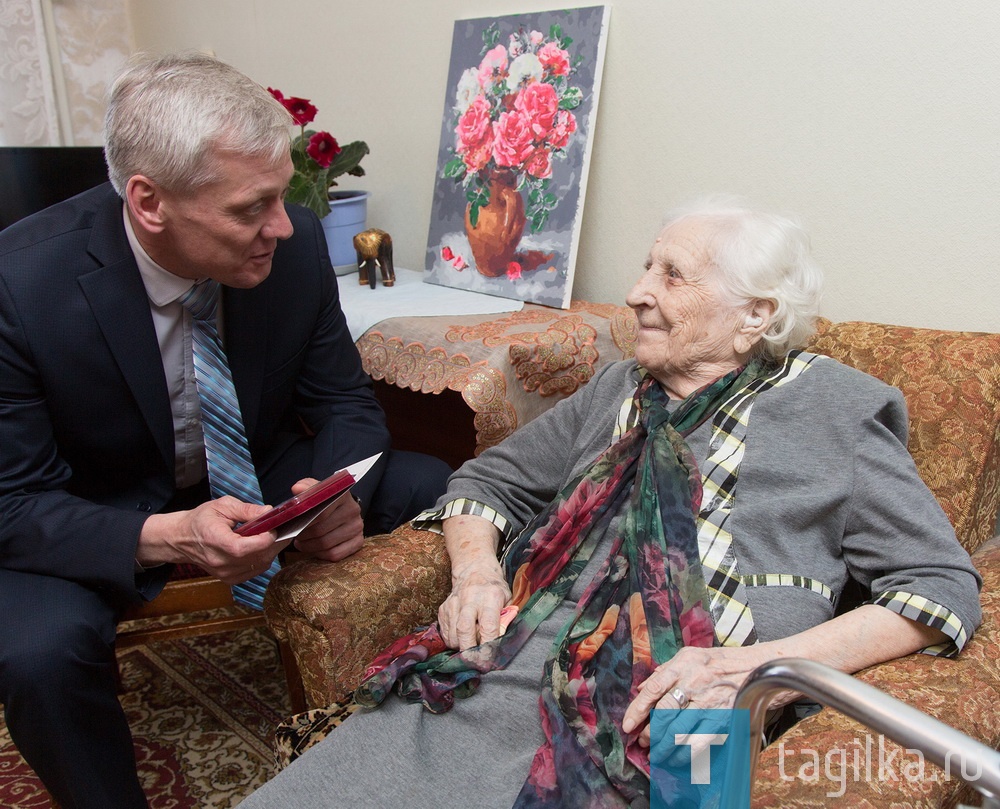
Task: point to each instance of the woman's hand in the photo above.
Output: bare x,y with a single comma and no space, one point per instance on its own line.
470,615
708,678
711,678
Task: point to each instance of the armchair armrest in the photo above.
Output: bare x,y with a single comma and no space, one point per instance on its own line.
337,616
964,693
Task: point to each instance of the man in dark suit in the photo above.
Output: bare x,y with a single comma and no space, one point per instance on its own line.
102,462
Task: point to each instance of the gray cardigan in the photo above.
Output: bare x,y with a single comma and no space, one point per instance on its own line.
827,490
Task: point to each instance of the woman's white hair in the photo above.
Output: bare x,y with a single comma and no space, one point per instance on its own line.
761,256
167,116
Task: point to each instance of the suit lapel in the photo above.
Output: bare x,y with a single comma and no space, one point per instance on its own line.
245,319
118,300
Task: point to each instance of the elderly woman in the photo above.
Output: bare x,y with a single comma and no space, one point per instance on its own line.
686,517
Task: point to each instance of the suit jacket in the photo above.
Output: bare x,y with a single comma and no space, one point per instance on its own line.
86,436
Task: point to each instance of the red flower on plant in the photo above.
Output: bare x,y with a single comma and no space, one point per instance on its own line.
301,109
278,95
323,148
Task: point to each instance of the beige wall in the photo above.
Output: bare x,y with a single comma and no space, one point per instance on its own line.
877,122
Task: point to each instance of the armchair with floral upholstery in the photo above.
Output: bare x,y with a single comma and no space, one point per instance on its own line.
336,617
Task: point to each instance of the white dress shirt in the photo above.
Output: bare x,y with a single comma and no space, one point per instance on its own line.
173,333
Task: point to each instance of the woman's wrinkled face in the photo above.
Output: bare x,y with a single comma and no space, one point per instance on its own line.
687,326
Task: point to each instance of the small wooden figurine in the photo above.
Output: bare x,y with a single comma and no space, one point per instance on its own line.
374,248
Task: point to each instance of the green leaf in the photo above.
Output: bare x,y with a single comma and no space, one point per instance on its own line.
491,36
571,99
302,191
478,195
350,156
565,42
555,31
303,163
454,169
538,221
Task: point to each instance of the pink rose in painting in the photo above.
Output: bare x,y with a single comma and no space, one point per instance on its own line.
554,59
538,103
563,127
512,139
493,66
539,164
474,134
323,148
459,263
536,37
514,271
446,253
476,159
474,124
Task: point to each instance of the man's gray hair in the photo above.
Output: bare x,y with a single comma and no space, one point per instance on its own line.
762,256
167,115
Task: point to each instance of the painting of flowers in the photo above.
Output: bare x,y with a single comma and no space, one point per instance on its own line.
516,139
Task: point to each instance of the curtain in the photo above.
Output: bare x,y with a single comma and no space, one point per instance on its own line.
56,59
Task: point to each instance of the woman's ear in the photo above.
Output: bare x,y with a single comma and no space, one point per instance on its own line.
756,321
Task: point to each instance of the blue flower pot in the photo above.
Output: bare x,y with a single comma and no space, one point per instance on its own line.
348,213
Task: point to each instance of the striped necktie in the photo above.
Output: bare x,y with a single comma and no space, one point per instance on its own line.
227,452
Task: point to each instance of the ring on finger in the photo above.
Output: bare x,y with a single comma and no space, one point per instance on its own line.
682,699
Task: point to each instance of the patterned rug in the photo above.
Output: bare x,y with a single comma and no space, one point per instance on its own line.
202,713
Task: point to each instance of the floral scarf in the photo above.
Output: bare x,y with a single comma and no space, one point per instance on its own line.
648,600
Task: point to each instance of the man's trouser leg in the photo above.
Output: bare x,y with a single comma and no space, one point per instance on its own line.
58,688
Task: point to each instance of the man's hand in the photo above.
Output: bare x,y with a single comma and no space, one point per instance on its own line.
336,533
204,536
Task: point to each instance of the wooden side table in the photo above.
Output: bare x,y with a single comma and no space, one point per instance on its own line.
487,374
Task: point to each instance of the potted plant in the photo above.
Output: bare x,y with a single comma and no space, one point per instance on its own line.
319,159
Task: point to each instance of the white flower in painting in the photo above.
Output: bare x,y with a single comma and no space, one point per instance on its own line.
523,70
515,48
468,89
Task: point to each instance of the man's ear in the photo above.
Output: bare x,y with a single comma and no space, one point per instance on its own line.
756,321
145,202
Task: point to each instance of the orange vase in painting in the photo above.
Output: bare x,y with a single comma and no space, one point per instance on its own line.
497,233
